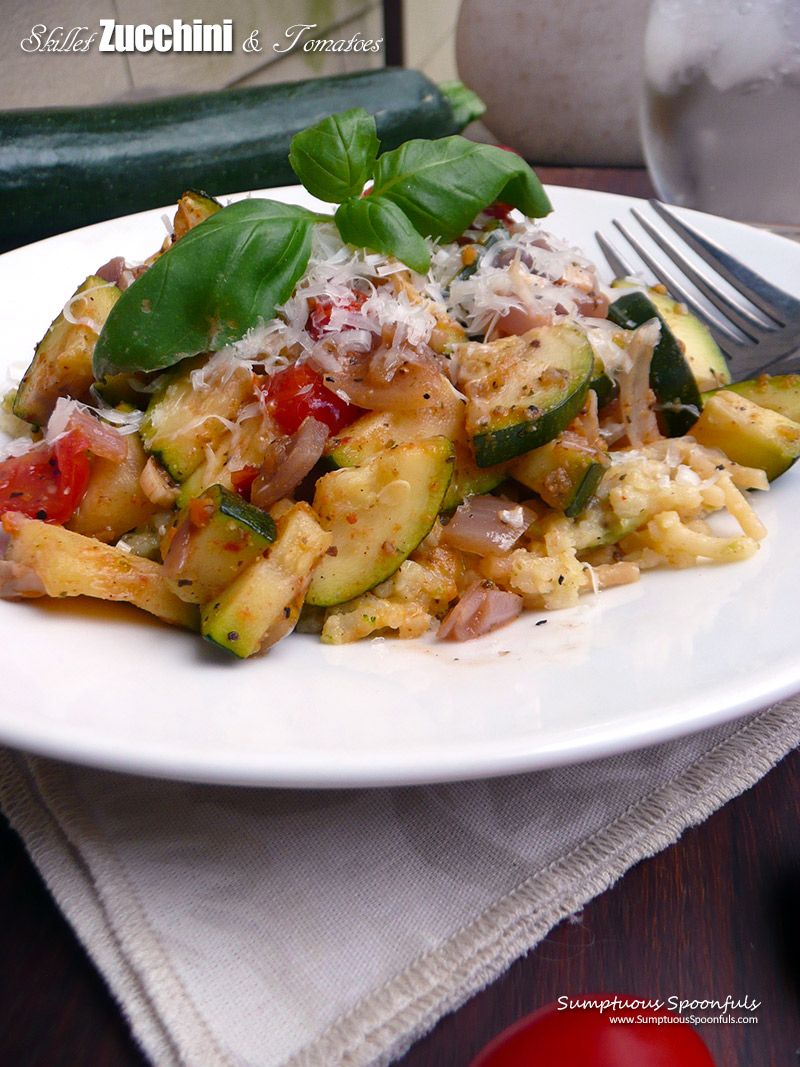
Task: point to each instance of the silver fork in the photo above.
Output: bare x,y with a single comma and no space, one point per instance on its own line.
757,327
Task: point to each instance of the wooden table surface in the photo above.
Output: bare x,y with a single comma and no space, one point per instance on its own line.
716,914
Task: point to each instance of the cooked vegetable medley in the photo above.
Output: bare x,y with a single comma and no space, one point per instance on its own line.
424,412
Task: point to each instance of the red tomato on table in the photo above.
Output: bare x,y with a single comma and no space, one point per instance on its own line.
48,481
577,1037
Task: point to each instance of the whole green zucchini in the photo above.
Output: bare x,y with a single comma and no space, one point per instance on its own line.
66,167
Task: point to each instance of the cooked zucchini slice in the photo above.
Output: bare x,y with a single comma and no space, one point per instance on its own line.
243,447
671,376
565,472
703,354
377,430
598,525
180,420
193,207
522,391
201,478
215,538
378,513
469,479
748,434
701,351
62,363
778,392
263,604
603,384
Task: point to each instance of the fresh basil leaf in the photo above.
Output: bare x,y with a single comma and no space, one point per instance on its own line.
334,158
442,185
219,280
378,224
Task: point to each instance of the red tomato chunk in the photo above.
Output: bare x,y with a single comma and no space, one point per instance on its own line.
297,391
48,481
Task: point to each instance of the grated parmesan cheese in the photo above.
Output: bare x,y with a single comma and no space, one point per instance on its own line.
87,320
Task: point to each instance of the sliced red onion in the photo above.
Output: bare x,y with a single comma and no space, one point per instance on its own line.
482,608
519,320
635,396
112,271
402,379
411,387
593,305
178,551
102,439
288,462
487,525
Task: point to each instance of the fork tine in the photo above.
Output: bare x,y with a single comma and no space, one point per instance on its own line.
725,338
620,266
773,301
788,363
739,315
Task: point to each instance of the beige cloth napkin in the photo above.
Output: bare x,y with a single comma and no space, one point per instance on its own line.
265,927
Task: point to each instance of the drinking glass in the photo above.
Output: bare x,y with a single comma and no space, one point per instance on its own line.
720,116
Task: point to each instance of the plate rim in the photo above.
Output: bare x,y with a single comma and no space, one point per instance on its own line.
409,768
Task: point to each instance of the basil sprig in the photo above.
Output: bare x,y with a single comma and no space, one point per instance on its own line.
421,189
221,279
232,271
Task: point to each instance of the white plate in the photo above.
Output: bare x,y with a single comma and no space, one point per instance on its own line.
678,651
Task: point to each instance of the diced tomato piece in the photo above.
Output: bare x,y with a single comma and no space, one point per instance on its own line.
48,481
320,315
200,511
242,480
297,391
498,210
